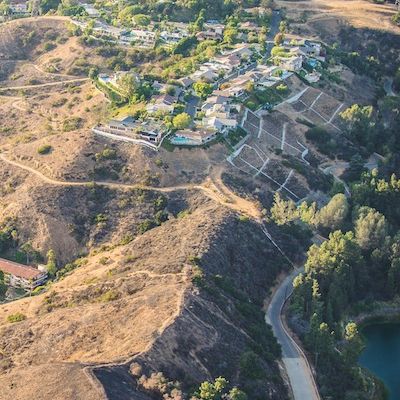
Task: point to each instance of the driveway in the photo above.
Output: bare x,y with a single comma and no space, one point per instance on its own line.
191,106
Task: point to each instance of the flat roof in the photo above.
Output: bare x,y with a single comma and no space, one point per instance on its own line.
19,270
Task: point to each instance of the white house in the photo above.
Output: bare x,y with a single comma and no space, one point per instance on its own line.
139,37
194,137
107,30
162,103
221,122
132,128
91,11
20,9
291,63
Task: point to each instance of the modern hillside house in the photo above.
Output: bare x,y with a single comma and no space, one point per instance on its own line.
23,276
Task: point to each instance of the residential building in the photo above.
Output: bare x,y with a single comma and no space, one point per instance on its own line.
23,276
115,78
205,74
291,63
242,51
129,127
312,77
91,11
214,26
249,26
162,103
139,37
208,35
221,122
186,82
174,33
194,137
20,8
107,30
211,102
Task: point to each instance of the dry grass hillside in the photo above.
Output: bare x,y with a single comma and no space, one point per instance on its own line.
136,300
326,18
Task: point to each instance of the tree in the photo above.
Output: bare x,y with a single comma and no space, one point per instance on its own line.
358,121
353,344
47,5
308,213
141,19
128,85
279,38
3,286
181,121
237,394
51,265
283,26
283,211
230,35
203,89
199,23
185,45
126,14
370,228
93,72
334,213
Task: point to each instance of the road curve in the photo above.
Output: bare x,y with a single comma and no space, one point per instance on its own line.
297,367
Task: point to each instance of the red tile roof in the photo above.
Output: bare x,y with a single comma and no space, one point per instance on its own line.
19,270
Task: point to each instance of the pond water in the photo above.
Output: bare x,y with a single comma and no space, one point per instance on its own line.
382,355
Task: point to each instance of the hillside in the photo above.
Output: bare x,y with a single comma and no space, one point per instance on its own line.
135,301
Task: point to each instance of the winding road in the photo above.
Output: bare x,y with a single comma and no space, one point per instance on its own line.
298,369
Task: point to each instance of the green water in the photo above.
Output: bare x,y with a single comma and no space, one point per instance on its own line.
382,355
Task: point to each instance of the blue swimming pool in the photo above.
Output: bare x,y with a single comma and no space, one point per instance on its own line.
177,140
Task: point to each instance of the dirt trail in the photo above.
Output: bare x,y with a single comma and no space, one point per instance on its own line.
213,187
4,89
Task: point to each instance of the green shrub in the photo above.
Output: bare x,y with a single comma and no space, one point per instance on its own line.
49,46
72,124
44,149
106,154
197,276
250,366
146,225
17,317
110,295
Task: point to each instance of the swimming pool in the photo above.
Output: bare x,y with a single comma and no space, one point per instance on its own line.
182,141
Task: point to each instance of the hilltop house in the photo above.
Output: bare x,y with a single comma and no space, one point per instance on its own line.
114,79
23,276
139,37
205,73
194,137
291,63
132,128
91,11
162,103
19,8
212,30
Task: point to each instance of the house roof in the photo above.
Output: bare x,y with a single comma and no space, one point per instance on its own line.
166,99
19,270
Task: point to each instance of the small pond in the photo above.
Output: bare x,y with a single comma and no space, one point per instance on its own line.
382,355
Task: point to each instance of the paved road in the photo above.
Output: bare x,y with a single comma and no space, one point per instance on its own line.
274,27
191,106
297,368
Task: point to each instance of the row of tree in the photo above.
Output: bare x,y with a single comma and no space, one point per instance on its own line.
358,264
